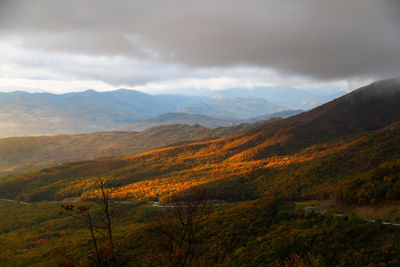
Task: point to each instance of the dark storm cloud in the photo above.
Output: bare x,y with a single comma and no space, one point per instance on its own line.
317,38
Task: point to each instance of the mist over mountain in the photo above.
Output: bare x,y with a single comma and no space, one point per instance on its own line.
23,113
293,98
177,118
234,108
43,113
205,121
275,115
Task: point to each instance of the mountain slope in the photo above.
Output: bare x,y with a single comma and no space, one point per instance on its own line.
326,175
368,108
230,165
315,172
19,154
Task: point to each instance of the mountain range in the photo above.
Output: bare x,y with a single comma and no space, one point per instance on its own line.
23,113
206,121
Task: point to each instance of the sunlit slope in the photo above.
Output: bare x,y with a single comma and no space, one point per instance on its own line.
298,157
315,172
32,153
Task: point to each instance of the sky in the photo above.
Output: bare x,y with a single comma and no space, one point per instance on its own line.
158,46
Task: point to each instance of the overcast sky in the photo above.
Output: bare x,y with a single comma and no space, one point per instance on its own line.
156,45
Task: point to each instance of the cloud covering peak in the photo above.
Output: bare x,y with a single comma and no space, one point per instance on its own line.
322,40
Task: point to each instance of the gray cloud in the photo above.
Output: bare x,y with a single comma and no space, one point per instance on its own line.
320,39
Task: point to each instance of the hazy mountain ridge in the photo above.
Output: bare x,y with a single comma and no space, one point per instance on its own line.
287,96
23,114
206,121
227,108
177,118
89,111
290,97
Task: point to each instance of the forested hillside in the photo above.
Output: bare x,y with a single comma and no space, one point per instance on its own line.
20,154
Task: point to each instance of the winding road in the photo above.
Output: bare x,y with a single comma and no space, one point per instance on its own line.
12,200
158,205
314,209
